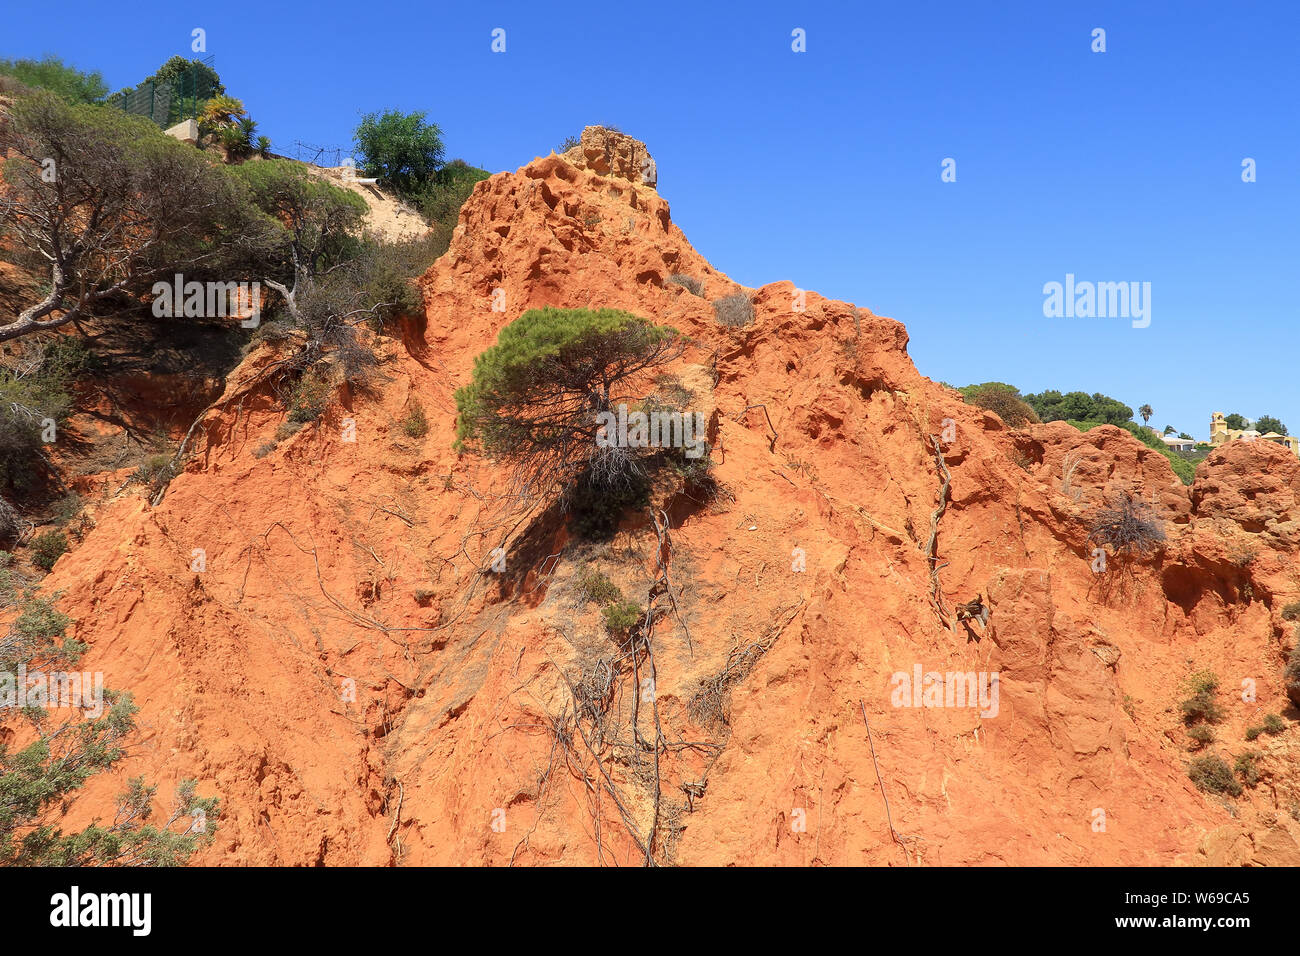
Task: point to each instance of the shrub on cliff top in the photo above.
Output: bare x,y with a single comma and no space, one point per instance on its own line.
1004,401
51,73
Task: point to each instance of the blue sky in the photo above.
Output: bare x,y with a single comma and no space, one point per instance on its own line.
823,167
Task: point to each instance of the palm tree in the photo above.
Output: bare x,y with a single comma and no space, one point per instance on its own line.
222,111
1146,412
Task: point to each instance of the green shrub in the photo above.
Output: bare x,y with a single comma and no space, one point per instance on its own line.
416,425
51,73
596,588
155,471
118,175
11,583
67,509
47,548
440,200
1247,768
1253,732
385,273
1267,423
1274,724
309,398
1202,682
1292,672
313,225
1212,775
1053,406
734,311
1291,612
1201,734
621,617
28,403
1201,705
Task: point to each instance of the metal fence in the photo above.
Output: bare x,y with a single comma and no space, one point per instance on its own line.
170,102
331,156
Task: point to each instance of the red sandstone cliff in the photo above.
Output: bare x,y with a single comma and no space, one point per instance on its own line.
333,564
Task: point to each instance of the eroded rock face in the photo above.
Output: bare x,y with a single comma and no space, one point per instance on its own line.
1253,485
356,689
610,152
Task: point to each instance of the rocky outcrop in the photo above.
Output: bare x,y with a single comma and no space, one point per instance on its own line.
610,152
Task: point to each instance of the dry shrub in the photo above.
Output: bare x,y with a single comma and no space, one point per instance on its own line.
691,284
734,310
1013,410
1127,527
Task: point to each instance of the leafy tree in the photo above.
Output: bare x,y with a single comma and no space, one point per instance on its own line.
190,82
51,73
317,221
1146,412
183,85
317,261
207,83
38,780
1185,436
536,394
1236,422
1267,423
1169,430
126,207
1053,406
400,148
